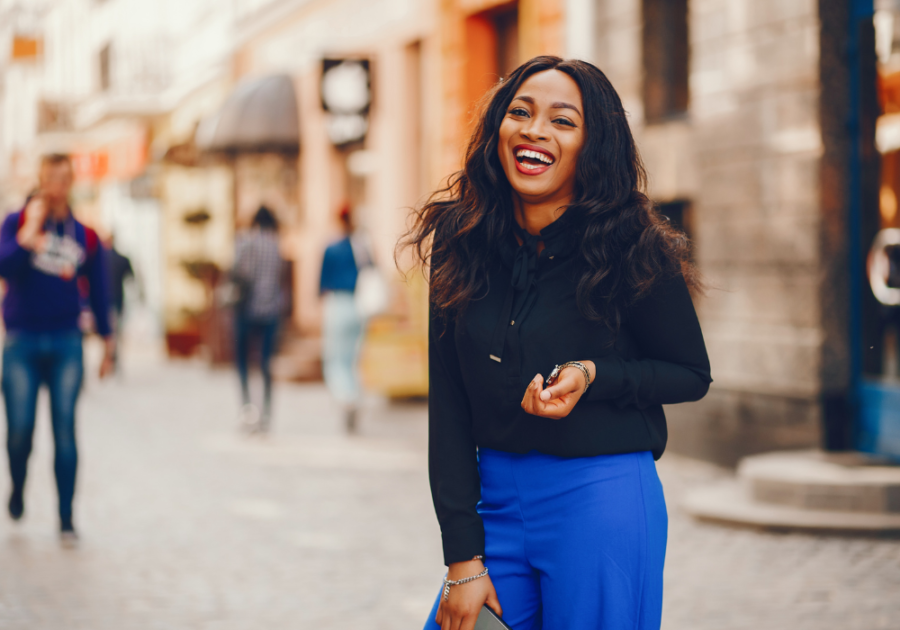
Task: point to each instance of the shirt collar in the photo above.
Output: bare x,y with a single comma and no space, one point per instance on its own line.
561,238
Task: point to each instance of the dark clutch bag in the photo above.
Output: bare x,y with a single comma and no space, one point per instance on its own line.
488,620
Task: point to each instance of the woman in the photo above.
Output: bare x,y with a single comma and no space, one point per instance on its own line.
546,253
257,268
342,326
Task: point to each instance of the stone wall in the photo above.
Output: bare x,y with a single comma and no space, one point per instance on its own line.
747,155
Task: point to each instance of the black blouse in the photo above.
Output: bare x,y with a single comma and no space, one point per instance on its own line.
526,323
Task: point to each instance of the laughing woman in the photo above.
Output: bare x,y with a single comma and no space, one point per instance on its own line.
561,322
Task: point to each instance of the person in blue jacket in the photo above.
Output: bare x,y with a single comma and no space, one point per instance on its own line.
51,263
342,327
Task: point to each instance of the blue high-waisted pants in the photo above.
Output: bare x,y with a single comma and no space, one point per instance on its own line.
573,544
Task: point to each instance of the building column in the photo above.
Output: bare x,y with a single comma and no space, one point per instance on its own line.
580,29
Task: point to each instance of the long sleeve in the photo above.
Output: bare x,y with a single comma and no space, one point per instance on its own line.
98,279
452,455
13,257
673,367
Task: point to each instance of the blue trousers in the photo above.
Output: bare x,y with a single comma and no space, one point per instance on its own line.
267,332
30,360
573,544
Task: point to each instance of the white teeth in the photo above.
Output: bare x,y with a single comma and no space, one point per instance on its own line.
523,153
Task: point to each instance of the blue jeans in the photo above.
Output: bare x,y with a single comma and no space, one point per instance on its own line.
267,332
30,360
573,542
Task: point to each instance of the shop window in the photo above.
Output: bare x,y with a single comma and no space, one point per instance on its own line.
666,58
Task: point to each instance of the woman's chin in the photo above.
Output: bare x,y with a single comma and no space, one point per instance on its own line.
534,191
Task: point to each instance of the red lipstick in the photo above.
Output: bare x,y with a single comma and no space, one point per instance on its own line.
532,160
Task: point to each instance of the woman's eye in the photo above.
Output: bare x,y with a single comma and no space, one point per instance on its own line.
564,121
518,111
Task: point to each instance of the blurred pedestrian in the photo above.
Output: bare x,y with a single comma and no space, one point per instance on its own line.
45,255
120,269
257,271
547,258
342,325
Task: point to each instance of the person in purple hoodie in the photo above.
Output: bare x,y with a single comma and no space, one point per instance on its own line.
51,264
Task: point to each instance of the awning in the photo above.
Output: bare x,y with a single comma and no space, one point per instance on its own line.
259,115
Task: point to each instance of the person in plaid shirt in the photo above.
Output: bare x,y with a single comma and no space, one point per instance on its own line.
257,268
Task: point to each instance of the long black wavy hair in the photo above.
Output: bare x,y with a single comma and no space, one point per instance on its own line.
625,245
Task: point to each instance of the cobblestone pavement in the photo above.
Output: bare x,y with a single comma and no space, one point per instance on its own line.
185,524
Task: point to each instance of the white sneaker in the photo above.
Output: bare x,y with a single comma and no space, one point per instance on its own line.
249,418
68,538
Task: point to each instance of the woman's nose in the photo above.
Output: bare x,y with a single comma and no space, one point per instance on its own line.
535,129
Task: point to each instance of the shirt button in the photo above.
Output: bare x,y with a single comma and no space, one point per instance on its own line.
551,258
512,323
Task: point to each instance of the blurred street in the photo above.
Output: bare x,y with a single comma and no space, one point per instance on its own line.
187,524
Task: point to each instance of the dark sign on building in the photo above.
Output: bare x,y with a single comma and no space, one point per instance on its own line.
346,95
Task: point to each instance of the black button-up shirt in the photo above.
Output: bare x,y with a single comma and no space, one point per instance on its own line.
525,324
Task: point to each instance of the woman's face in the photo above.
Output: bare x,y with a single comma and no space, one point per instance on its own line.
541,137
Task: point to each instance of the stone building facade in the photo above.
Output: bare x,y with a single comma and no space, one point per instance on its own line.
732,117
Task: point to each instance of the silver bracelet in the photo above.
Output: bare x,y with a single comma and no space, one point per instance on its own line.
449,583
576,364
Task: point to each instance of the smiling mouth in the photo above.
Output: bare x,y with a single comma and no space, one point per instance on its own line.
533,159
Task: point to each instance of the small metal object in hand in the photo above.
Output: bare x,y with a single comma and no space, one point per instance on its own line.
449,583
575,364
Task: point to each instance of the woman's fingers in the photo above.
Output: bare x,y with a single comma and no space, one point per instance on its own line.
439,617
494,603
468,622
556,401
565,385
532,394
559,399
570,380
537,386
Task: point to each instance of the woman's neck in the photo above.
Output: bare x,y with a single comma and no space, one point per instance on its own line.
534,217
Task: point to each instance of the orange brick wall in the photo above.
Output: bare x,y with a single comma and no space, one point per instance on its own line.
468,66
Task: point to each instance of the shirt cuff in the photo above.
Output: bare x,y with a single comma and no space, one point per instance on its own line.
461,545
608,380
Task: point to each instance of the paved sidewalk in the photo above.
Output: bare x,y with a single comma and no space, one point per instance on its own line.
185,524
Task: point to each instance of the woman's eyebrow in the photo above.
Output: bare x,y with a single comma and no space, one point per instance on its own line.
557,105
563,105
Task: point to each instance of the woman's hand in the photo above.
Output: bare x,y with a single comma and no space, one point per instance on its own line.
461,609
558,400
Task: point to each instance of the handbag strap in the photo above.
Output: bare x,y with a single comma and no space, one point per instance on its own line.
360,249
